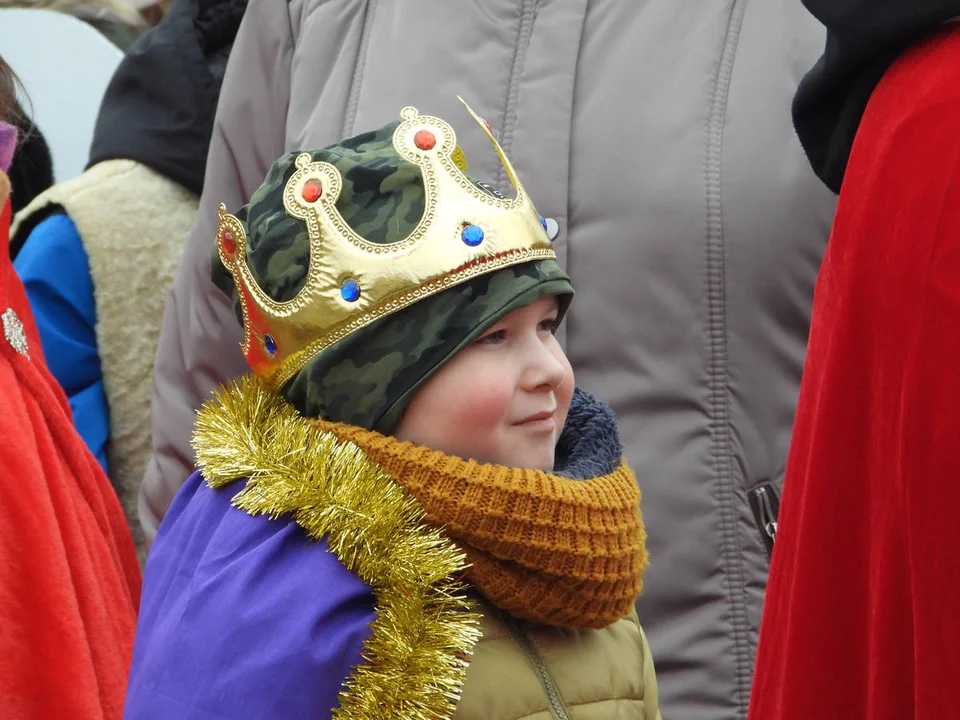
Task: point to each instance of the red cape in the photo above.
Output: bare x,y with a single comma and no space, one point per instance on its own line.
69,579
862,616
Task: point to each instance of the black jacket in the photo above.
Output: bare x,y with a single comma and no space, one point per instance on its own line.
864,37
160,104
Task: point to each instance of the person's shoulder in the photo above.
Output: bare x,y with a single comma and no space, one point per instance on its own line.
924,80
56,231
54,268
204,532
907,135
53,245
234,603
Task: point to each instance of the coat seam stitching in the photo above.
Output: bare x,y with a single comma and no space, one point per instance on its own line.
359,67
528,12
718,368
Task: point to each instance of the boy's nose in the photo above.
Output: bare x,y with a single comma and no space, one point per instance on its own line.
546,371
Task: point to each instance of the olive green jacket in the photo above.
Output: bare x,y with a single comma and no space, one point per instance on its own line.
525,672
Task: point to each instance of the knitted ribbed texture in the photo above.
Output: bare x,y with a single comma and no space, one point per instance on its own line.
545,548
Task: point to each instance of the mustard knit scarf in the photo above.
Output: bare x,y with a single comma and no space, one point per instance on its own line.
545,548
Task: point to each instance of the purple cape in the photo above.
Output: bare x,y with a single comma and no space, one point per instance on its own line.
242,616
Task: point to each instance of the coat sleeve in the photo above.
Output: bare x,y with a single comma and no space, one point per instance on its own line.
199,340
242,617
56,275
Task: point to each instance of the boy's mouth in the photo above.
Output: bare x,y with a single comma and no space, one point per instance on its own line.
543,419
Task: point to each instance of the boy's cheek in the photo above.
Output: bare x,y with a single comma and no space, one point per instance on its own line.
486,403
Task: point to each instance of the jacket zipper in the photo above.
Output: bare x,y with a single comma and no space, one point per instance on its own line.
557,709
766,507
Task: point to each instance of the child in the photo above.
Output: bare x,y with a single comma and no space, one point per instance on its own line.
450,530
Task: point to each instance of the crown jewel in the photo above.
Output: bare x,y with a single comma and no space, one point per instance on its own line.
351,282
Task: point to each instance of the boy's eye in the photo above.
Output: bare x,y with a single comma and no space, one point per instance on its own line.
550,325
498,336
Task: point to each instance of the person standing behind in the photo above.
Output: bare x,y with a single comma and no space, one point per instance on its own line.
861,620
69,580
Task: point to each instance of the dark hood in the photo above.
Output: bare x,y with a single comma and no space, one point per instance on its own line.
589,445
160,104
864,37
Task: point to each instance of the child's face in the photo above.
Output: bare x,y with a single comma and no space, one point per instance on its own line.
501,400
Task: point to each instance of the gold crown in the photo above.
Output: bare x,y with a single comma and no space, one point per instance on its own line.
351,282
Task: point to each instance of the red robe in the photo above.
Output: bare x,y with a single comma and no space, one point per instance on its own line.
862,616
69,579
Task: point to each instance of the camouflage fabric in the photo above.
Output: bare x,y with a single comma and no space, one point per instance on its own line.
382,199
368,378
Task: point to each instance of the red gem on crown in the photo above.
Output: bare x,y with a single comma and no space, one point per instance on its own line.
229,245
311,191
425,140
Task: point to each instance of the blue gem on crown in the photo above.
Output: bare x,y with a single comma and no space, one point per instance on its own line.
472,235
350,290
270,344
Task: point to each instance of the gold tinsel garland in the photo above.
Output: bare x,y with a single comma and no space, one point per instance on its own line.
420,643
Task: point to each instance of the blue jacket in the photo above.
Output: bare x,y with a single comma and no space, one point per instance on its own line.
54,269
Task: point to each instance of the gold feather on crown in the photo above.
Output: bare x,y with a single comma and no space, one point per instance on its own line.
352,282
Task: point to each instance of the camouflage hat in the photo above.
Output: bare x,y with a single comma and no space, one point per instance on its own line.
368,378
